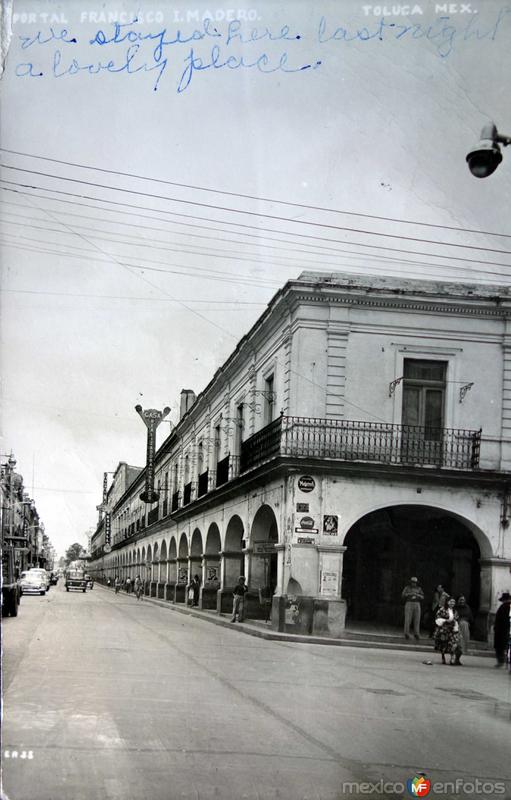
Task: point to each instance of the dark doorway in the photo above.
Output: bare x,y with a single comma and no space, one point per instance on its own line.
385,548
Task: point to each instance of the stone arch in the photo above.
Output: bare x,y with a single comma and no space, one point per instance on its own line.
234,535
183,546
196,543
234,559
213,543
389,544
173,548
264,533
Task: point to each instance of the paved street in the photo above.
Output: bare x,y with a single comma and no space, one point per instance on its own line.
107,697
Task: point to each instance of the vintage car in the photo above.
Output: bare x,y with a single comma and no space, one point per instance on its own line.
33,582
41,573
75,579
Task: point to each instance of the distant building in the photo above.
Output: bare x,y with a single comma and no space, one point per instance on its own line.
360,433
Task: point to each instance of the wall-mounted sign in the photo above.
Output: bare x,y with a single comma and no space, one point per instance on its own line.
302,508
330,524
306,483
306,522
305,540
108,529
151,418
264,548
306,530
329,581
107,548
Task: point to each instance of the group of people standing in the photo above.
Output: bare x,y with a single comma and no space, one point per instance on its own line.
127,584
450,622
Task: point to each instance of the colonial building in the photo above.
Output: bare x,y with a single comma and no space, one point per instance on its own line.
360,433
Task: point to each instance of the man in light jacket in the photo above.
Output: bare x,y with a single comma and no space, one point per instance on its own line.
412,595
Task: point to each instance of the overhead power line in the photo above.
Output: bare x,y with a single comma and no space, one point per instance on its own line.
270,230
260,214
258,198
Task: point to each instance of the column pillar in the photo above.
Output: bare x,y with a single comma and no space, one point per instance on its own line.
495,579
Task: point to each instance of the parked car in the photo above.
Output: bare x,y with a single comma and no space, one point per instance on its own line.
33,583
42,574
75,579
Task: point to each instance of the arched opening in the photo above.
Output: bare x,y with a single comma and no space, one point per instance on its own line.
386,547
196,543
263,536
212,563
213,540
182,572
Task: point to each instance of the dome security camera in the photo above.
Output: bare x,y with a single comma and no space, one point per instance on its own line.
486,156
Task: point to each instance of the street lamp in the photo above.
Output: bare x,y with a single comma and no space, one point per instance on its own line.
485,157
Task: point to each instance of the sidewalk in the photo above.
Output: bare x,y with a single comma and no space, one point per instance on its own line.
352,638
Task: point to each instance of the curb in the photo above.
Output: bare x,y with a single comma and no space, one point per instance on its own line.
276,636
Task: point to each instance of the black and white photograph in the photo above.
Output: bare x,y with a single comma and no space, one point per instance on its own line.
255,441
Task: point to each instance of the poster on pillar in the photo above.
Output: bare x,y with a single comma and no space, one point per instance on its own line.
329,575
306,509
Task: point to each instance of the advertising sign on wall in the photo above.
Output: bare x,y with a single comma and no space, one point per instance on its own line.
330,524
329,583
306,483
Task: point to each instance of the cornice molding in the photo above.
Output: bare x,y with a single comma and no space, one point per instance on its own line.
402,303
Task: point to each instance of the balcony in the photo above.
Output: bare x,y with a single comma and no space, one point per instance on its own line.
187,493
347,440
153,515
222,471
202,486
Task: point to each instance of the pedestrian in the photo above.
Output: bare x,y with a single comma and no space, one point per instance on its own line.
238,600
435,605
117,585
412,595
447,636
108,582
465,620
128,585
501,629
138,587
196,590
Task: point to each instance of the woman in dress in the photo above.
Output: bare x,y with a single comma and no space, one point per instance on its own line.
465,620
447,636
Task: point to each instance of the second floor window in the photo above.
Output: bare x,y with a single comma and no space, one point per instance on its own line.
424,395
269,399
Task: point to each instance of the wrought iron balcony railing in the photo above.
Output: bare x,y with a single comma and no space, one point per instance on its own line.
153,515
202,486
187,493
348,440
222,471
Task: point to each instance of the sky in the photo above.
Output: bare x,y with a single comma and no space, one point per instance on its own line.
167,167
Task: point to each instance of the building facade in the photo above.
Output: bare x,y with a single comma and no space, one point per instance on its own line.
358,434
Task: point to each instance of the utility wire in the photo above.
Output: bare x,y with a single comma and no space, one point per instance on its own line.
260,214
271,230
332,251
245,225
257,198
198,314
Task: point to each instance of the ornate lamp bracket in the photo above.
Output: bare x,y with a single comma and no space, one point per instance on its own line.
464,389
393,384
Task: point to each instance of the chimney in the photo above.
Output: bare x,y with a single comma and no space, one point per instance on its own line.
188,398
